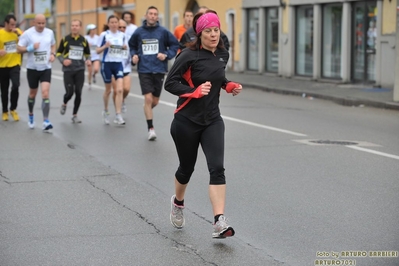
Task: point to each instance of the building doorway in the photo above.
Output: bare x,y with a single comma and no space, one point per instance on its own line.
364,41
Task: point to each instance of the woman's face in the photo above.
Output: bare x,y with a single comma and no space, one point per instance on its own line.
210,38
113,24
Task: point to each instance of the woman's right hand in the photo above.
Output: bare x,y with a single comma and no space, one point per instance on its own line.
206,88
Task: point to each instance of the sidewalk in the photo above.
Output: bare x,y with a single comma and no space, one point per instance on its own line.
344,94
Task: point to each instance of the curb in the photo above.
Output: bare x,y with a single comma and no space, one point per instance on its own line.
339,100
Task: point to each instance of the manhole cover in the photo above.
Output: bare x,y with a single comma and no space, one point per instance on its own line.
334,142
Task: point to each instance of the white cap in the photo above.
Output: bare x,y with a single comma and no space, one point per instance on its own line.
91,27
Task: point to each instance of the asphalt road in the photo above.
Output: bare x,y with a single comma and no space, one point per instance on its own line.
91,194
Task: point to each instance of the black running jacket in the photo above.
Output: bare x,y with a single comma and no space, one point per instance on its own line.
190,69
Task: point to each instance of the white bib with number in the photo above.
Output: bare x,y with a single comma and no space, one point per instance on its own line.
10,47
115,51
93,48
125,54
40,58
150,46
75,52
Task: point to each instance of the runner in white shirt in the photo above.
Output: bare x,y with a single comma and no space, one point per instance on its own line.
127,68
39,42
112,44
92,39
128,17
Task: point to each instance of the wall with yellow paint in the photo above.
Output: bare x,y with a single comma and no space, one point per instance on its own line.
141,9
285,18
86,11
389,16
223,8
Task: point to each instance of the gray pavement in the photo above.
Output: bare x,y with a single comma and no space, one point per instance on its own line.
61,206
344,94
83,195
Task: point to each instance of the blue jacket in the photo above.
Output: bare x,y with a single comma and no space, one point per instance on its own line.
147,42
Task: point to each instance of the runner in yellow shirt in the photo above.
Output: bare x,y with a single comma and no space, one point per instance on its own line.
10,66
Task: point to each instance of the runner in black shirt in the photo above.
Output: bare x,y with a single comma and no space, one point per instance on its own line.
197,77
73,53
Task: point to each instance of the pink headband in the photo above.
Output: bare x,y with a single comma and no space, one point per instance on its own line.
207,20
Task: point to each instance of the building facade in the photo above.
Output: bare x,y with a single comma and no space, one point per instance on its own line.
340,41
345,41
170,15
89,12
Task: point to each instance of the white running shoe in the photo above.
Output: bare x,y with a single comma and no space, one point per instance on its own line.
31,122
124,108
151,134
47,126
105,117
221,229
176,214
76,120
119,120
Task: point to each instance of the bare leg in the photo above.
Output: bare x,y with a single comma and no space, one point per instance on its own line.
45,86
107,92
89,71
113,82
126,86
180,190
150,101
217,194
119,95
96,67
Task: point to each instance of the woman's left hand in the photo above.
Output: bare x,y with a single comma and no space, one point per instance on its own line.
237,90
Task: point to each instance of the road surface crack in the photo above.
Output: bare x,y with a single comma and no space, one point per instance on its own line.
177,245
4,178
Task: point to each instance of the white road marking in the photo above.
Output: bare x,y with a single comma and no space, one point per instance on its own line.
374,152
94,86
264,126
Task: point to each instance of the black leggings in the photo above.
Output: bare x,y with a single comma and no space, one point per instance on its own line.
7,74
73,82
187,136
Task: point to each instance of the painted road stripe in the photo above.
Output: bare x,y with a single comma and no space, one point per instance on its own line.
245,122
264,126
374,152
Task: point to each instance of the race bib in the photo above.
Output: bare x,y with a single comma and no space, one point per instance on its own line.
75,52
125,54
93,49
150,46
10,47
115,51
40,58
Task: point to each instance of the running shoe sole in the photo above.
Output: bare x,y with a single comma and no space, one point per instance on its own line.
229,231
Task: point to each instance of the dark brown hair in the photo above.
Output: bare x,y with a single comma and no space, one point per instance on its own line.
106,27
128,13
187,11
196,44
